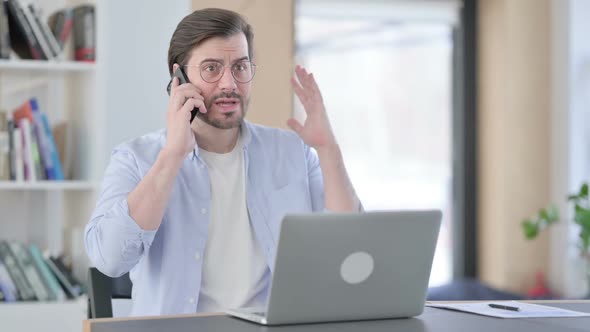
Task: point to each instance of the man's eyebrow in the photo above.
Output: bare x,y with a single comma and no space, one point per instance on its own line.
221,60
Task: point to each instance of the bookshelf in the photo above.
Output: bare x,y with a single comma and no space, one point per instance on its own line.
52,214
49,185
45,65
120,96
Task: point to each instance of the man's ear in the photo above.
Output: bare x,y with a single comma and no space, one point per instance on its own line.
174,67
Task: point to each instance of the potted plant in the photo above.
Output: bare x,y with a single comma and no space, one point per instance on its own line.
547,216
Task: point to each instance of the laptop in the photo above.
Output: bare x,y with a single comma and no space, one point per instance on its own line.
349,266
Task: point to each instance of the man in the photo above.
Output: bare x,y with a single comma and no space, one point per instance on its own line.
193,211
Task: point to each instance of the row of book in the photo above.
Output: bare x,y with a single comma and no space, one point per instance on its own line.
26,274
28,151
23,30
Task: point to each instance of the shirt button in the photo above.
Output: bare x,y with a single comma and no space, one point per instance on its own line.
203,210
197,256
191,300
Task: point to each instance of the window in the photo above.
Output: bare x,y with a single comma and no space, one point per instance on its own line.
385,72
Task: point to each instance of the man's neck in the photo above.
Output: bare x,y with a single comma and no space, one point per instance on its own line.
214,139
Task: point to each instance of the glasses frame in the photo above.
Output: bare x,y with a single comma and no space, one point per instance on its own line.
252,66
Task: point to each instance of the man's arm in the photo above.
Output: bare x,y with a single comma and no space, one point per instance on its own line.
131,208
148,201
340,194
317,133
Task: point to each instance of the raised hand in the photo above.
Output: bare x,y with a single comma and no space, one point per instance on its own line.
316,131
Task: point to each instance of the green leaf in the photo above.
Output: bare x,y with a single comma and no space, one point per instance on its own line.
584,191
582,218
573,198
543,214
531,229
552,214
585,237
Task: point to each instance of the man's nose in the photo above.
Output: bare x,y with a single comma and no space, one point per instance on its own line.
227,81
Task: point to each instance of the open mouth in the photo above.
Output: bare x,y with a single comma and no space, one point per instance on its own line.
227,102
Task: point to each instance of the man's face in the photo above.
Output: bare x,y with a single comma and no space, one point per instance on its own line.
226,100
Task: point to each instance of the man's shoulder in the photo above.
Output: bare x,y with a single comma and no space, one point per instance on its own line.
145,147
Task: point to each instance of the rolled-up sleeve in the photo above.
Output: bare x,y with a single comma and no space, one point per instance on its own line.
114,241
316,180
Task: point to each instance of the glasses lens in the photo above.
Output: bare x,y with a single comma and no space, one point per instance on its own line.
211,71
243,71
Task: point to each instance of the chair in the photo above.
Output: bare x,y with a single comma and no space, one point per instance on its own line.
102,289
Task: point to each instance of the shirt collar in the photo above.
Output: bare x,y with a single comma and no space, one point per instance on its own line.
246,138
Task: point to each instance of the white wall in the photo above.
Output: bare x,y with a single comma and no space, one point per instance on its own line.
132,58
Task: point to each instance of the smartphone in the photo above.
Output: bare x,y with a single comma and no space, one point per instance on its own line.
182,78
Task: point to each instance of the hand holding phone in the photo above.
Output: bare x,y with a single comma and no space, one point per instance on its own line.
182,78
183,104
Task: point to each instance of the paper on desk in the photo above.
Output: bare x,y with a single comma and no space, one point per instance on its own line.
527,310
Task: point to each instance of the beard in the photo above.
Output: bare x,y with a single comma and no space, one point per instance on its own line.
227,120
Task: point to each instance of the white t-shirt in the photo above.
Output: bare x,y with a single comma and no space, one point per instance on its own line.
235,272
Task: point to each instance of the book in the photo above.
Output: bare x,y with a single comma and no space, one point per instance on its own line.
25,291
12,161
37,162
28,161
4,148
4,33
45,31
72,286
7,285
63,143
42,140
50,279
61,23
26,264
51,146
18,155
4,156
31,141
22,39
43,43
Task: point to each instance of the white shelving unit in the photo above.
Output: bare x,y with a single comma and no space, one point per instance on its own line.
44,65
49,185
121,96
52,214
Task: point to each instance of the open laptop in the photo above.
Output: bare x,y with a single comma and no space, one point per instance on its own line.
349,266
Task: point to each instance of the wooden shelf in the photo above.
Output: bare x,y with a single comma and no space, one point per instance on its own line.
48,185
46,65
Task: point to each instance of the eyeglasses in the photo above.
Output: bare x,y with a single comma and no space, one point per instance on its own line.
212,71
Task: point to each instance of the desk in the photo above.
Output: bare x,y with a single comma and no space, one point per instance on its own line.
432,320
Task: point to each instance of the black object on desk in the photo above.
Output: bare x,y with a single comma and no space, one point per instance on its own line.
503,307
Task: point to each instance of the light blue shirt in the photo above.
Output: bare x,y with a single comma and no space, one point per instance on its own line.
283,176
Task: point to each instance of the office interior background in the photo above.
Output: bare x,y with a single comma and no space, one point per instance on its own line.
480,108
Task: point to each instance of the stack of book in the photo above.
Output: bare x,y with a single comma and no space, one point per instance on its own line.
28,150
28,275
23,30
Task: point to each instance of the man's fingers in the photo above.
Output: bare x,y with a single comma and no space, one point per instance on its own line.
174,84
298,89
192,103
182,93
189,90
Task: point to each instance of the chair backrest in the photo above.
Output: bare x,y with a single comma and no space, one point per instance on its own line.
102,288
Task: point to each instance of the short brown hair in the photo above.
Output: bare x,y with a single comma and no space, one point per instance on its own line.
200,25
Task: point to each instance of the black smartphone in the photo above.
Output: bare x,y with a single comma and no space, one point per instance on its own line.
182,78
